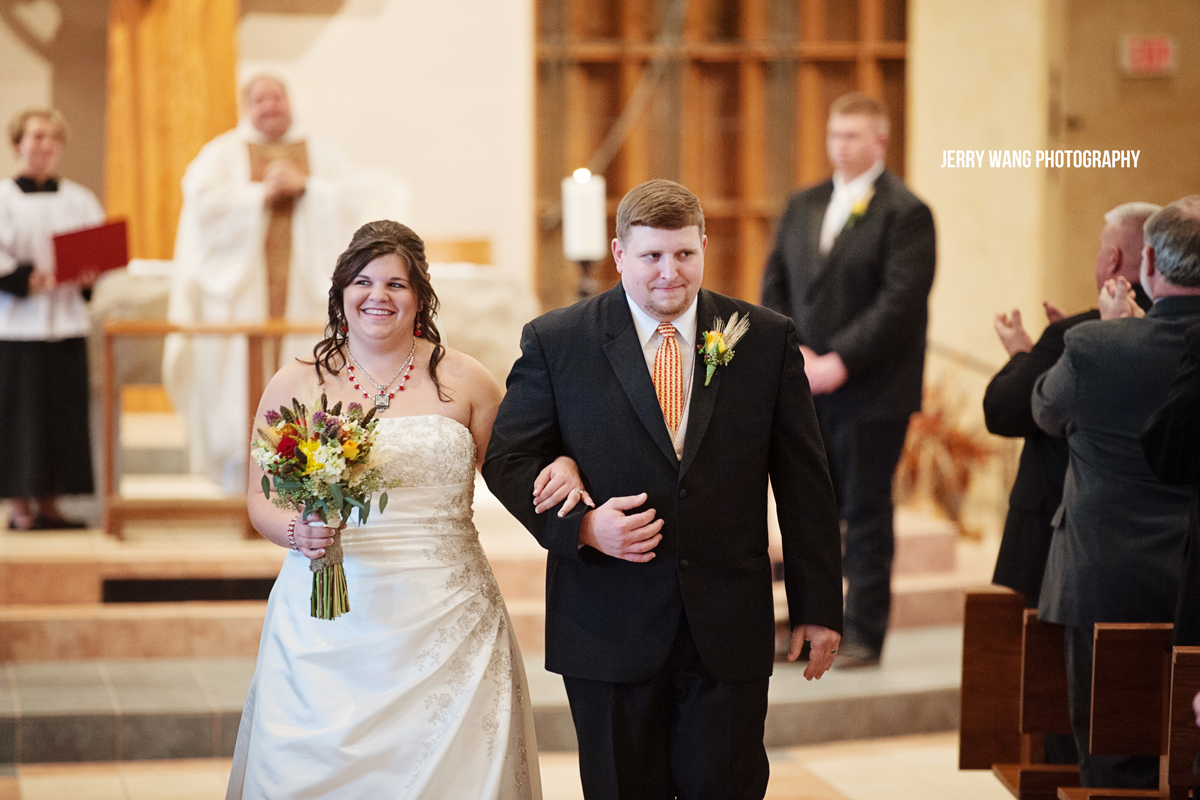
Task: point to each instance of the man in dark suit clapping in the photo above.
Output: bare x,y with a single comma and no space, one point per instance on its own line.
1037,489
1114,555
659,612
852,266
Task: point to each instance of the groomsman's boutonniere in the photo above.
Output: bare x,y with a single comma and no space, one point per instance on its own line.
717,348
859,209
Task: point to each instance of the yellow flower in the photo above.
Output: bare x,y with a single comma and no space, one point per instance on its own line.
309,448
714,342
350,449
860,207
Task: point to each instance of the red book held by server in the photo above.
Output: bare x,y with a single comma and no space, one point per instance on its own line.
98,249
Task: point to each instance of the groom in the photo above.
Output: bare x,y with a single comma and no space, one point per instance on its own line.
659,610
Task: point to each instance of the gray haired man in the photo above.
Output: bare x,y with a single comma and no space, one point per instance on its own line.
1114,555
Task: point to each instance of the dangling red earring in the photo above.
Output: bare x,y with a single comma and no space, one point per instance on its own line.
417,330
345,329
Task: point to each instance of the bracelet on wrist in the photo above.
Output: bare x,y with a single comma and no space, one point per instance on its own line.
291,533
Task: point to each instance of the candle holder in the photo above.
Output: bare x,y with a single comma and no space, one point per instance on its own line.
585,222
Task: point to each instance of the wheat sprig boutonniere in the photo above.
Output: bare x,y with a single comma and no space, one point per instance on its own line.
718,344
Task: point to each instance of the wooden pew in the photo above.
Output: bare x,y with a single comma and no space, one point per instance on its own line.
990,707
1043,711
1183,737
1013,692
1133,701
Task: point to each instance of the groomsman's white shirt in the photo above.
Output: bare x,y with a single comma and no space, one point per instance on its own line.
845,195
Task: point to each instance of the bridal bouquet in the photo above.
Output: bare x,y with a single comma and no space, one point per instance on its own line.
321,463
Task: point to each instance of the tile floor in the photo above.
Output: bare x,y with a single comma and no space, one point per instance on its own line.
900,768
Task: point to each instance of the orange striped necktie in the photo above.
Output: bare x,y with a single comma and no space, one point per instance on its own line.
668,377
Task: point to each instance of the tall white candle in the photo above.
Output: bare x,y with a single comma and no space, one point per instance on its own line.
585,218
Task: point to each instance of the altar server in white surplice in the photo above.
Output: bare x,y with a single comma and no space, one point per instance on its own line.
266,210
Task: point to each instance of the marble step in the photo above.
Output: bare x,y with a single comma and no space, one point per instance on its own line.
119,709
73,568
231,628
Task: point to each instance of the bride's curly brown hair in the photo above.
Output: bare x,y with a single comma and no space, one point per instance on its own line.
371,241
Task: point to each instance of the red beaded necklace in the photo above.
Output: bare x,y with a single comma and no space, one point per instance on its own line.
382,399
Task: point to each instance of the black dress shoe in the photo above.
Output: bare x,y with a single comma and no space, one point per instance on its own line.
855,656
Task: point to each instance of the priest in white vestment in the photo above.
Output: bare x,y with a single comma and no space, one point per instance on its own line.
266,211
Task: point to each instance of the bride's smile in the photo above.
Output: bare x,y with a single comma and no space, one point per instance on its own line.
380,301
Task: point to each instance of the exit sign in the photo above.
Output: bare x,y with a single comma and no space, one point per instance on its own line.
1147,56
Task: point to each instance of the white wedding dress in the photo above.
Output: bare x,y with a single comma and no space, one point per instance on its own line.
419,691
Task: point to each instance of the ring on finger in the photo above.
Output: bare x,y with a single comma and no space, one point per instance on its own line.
576,491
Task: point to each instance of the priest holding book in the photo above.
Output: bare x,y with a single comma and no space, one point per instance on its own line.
43,330
266,210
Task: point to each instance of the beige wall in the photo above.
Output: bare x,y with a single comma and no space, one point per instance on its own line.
437,94
978,79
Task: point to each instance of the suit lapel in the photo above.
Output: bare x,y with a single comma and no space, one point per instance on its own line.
624,351
844,237
704,398
819,202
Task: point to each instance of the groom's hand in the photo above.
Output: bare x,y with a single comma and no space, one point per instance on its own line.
627,536
824,643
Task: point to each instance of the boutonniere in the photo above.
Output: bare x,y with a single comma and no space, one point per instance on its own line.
859,209
719,342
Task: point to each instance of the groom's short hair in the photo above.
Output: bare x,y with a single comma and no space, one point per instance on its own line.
659,203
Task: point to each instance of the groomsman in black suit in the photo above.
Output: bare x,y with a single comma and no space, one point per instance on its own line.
1038,487
1114,555
659,612
852,266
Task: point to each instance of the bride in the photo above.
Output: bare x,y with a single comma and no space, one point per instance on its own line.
419,691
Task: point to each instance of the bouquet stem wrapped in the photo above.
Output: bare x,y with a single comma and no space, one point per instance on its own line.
322,464
330,594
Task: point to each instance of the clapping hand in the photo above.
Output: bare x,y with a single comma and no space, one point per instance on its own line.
558,483
824,644
1011,331
1118,301
1053,313
631,537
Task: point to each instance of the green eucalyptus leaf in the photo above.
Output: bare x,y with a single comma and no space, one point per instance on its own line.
383,501
266,484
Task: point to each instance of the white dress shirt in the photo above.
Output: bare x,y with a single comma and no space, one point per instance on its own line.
685,336
845,195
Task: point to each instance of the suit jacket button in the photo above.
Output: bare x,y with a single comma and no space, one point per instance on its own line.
682,493
683,562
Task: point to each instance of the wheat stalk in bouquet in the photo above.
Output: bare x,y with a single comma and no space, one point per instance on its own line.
321,463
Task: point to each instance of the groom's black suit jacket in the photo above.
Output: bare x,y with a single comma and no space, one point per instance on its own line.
581,388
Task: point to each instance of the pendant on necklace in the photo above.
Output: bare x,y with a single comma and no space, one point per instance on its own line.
381,402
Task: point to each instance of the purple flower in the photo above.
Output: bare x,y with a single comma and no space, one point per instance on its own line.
320,419
272,416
